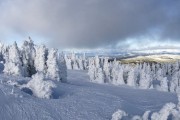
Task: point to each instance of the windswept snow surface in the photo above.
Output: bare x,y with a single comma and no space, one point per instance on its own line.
78,99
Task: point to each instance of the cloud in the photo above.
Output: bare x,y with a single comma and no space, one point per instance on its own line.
91,23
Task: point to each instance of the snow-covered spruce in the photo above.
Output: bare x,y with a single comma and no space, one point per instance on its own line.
53,71
13,64
40,59
28,54
62,68
40,87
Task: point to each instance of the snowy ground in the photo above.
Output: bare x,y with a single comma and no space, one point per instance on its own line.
78,100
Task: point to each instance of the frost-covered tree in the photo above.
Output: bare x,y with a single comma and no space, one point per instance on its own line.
68,62
175,81
40,59
53,71
85,62
145,79
132,77
74,62
2,51
40,87
175,67
97,61
120,80
114,75
164,84
91,69
13,63
75,65
164,113
99,76
80,63
170,69
159,75
62,68
28,54
106,70
146,115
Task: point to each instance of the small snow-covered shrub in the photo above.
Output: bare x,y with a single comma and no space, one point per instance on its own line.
136,117
164,113
40,87
146,115
118,115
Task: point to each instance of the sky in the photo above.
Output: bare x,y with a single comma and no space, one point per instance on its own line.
92,24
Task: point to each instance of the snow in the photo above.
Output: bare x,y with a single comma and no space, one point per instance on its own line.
78,99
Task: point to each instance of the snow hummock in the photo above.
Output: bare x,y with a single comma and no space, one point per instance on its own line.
118,115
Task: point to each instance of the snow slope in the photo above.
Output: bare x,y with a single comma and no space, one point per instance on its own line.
78,100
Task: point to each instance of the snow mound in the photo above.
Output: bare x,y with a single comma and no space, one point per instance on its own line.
118,115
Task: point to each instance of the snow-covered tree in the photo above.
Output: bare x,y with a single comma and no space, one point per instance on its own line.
80,63
164,113
106,70
85,61
68,62
28,54
159,75
146,115
91,69
2,51
145,80
99,76
40,87
62,68
175,81
164,84
97,61
132,77
13,64
114,75
75,65
120,80
53,71
40,59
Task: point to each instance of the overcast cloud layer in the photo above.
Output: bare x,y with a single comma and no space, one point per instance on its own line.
92,23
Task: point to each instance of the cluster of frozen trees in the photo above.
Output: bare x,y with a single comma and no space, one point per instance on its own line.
76,62
37,61
31,59
161,76
169,111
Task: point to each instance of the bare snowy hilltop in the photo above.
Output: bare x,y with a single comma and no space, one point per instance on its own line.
38,83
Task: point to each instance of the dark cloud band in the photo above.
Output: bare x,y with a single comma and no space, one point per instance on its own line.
91,23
